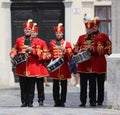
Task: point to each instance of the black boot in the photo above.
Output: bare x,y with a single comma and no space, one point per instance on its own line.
24,105
30,105
82,105
41,103
62,105
93,104
57,104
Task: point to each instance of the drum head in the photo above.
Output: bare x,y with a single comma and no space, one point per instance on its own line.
53,62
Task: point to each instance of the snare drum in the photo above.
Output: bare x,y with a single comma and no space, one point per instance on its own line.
81,57
19,59
55,64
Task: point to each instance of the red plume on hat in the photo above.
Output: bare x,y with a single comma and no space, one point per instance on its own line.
89,24
96,21
28,24
35,27
59,28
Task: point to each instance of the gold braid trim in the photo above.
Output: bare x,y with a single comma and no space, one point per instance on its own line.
109,47
100,48
25,46
14,50
39,51
45,53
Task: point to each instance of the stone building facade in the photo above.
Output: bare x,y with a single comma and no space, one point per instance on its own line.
75,14
74,26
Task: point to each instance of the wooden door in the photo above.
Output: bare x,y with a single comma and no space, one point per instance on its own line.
46,14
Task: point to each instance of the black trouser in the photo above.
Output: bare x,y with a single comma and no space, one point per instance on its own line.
57,96
84,78
100,86
40,89
27,87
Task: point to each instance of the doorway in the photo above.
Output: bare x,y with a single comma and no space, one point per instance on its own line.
45,14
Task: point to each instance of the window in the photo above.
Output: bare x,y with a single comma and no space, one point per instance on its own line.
104,13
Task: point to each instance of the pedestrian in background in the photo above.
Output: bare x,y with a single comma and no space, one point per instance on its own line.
46,81
75,74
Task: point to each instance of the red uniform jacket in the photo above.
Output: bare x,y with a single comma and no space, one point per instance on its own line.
34,66
63,72
101,46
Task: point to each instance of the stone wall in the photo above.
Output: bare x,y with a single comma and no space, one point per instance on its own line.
5,43
113,74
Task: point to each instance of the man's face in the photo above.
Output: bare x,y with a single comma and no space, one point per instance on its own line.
89,31
95,28
59,35
27,31
34,34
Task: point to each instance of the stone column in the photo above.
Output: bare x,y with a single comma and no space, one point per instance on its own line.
68,4
113,67
6,75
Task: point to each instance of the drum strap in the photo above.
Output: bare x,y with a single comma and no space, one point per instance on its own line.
64,44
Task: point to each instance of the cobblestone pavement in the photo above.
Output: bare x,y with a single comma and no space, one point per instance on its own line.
10,104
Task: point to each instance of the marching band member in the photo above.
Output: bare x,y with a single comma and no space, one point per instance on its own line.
28,70
43,49
102,47
60,48
85,69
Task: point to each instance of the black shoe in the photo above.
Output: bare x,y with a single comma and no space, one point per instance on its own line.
82,105
30,105
99,104
24,105
93,104
57,105
41,103
62,105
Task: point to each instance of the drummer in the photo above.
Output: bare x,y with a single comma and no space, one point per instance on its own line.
27,71
41,47
60,48
85,69
103,49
